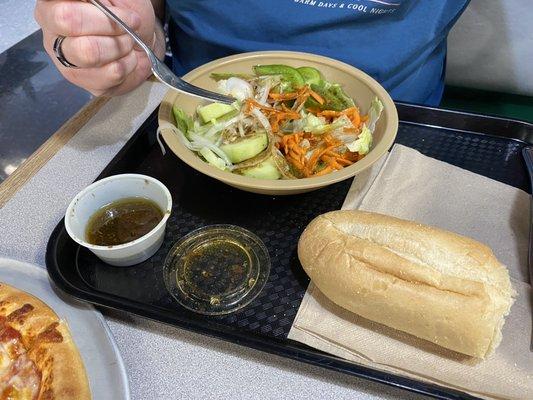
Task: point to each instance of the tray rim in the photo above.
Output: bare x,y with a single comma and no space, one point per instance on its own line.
498,124
465,113
285,348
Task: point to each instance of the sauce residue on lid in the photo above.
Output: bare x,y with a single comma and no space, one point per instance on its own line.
216,269
122,221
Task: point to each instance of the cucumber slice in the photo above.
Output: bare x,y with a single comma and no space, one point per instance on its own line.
312,76
287,73
202,129
265,170
213,111
212,158
245,148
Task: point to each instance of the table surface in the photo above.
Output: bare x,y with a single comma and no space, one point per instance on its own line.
35,101
163,362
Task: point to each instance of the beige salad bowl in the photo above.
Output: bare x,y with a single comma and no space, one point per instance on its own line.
361,87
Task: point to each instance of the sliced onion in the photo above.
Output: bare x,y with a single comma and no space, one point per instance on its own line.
309,154
203,142
265,92
346,138
165,125
262,119
181,136
220,127
196,143
236,87
281,164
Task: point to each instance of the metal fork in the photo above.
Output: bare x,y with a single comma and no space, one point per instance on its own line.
160,70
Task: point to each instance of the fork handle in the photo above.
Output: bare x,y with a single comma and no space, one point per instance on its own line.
160,70
98,4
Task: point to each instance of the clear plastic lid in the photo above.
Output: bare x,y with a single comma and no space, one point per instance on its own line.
217,269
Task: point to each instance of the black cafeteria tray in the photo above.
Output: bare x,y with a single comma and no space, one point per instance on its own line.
485,145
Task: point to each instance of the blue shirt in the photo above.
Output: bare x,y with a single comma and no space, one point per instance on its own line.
401,43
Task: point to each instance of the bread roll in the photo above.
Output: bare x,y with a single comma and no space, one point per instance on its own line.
431,283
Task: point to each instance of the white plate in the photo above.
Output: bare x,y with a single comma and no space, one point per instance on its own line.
103,363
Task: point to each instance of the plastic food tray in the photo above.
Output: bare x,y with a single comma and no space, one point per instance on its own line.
485,145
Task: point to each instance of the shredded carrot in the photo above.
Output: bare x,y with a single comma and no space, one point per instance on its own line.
356,118
338,157
331,153
316,96
331,161
274,124
275,116
324,171
296,163
300,97
293,153
289,96
314,159
316,156
323,147
298,150
330,141
351,156
344,162
304,94
292,137
329,114
283,96
353,114
251,103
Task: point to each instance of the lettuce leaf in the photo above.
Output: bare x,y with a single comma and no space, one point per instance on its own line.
183,121
362,144
376,107
316,126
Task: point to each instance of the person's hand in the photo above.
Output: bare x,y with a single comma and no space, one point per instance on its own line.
107,61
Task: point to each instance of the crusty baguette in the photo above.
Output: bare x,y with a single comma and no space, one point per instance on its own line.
431,283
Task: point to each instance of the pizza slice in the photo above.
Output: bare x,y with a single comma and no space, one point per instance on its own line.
38,358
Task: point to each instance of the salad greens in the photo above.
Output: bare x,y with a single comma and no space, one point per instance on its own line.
286,123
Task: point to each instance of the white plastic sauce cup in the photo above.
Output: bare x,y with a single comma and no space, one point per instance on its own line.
111,189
